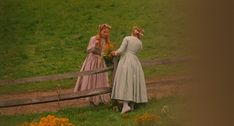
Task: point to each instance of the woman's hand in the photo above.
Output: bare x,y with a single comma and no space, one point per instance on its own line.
113,53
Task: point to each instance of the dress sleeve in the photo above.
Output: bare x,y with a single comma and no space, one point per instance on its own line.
123,46
91,45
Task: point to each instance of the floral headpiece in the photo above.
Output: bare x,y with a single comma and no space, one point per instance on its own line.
100,27
140,31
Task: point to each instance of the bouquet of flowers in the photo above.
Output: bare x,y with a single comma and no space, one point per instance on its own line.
108,58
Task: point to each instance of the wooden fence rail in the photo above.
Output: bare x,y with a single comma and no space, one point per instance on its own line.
53,98
76,74
70,96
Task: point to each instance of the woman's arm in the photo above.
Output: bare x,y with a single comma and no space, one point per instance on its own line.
122,47
92,44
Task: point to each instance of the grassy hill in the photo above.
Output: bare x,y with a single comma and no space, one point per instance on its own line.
50,36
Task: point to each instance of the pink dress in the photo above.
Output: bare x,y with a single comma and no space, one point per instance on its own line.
93,61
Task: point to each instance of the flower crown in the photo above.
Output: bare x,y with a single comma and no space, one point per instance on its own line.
101,26
140,31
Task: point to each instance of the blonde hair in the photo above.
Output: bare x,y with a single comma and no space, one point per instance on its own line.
98,36
140,31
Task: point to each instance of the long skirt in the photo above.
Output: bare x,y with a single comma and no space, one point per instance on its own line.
129,82
100,80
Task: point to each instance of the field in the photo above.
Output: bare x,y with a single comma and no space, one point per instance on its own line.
49,36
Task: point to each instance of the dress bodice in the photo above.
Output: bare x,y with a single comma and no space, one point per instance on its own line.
130,44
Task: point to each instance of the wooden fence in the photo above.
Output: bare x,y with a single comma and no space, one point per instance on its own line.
83,94
76,74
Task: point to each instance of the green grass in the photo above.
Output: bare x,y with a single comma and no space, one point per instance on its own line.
40,86
150,73
49,36
164,70
105,116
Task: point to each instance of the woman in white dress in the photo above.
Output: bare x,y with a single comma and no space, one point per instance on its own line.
129,83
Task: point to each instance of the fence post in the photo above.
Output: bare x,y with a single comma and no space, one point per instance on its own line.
115,64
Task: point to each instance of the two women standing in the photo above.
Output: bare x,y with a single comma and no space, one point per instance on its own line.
129,83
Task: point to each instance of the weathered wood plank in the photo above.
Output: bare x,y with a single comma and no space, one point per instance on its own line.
53,98
54,77
76,74
83,94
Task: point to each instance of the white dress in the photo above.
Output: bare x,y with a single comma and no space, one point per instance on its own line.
129,82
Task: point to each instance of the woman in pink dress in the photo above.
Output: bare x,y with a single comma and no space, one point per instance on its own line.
93,61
